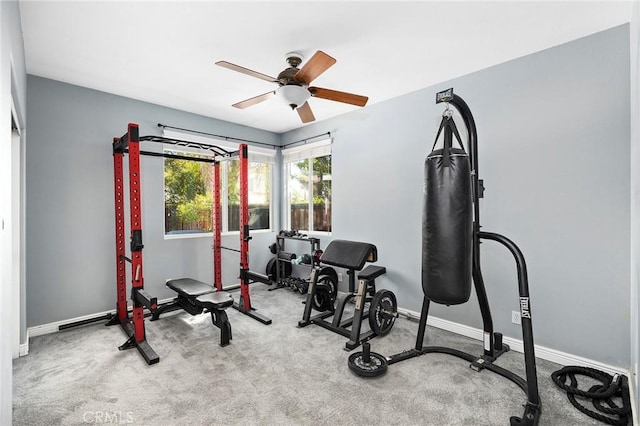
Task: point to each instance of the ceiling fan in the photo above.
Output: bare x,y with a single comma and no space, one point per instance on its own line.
293,84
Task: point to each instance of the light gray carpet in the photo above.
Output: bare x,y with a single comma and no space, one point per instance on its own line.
269,375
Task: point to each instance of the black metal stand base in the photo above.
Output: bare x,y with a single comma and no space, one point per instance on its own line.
531,417
252,314
147,352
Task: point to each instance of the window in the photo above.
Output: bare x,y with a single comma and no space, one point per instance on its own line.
189,197
308,170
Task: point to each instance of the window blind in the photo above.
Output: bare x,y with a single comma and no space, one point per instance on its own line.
309,150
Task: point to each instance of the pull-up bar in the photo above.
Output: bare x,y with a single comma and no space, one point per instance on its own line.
122,145
226,138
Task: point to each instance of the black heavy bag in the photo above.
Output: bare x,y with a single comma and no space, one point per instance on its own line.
447,239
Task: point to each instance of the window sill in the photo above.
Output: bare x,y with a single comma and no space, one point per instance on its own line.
210,234
186,236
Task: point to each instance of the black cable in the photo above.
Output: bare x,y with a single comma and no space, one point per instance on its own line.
612,386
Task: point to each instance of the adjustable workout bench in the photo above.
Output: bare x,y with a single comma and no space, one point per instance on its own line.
197,297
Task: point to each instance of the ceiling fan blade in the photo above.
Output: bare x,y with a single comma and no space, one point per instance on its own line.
255,100
305,113
319,63
334,95
247,71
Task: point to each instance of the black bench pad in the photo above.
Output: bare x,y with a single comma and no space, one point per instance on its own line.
217,300
349,254
371,272
189,287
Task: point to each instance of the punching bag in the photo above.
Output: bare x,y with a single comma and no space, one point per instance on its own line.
447,221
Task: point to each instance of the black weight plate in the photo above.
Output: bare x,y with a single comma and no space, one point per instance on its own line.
376,367
318,300
382,312
330,284
271,269
328,270
325,294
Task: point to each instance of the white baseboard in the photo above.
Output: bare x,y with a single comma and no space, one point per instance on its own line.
54,327
542,352
24,348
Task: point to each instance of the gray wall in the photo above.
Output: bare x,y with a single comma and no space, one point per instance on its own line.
554,147
11,51
70,218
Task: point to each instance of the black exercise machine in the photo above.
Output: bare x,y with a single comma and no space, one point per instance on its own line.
322,291
451,260
196,297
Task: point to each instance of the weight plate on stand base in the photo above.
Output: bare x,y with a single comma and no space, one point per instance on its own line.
383,312
285,269
376,366
325,294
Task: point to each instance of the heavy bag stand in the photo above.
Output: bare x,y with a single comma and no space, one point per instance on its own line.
370,364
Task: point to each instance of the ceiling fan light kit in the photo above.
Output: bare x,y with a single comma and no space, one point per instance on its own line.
294,83
293,95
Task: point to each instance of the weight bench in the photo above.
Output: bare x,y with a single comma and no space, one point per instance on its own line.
197,297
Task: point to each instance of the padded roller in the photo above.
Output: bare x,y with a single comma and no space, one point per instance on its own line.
349,254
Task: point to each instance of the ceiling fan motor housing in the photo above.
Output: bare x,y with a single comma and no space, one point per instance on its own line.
286,76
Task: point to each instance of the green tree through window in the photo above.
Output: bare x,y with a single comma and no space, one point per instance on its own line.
310,194
189,199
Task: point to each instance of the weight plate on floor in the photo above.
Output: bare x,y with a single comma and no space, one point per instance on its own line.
271,268
375,367
382,312
285,269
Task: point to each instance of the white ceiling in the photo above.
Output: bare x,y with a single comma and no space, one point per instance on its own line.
164,52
